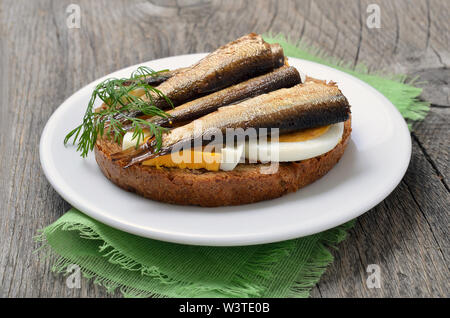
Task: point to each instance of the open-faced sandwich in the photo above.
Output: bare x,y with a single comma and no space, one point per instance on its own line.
239,126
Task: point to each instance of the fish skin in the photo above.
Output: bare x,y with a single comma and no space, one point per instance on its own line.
285,76
237,61
300,107
303,106
234,62
155,80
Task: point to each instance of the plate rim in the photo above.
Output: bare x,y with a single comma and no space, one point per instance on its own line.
210,240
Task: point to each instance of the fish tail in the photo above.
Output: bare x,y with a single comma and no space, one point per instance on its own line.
128,154
140,158
120,117
132,156
145,156
162,121
159,121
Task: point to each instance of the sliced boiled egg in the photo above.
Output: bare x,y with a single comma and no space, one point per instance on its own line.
191,159
227,159
128,141
231,156
296,146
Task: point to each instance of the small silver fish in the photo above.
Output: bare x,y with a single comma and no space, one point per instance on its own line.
303,106
283,77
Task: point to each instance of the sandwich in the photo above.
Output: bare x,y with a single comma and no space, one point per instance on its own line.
237,127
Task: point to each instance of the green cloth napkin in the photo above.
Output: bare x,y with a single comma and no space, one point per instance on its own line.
141,267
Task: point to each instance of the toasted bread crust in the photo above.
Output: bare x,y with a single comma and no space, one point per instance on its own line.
245,184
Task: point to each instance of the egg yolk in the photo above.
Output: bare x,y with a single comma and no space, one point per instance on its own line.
304,135
195,159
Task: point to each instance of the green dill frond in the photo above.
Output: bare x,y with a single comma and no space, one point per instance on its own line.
122,100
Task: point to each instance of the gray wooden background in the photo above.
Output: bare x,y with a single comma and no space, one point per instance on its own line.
42,62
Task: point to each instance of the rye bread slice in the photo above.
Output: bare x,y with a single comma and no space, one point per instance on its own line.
245,184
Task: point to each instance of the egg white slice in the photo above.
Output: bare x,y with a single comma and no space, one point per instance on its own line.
231,156
295,151
128,141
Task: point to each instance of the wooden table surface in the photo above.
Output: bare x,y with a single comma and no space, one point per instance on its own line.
42,62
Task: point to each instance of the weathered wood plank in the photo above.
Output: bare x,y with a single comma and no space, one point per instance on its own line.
433,136
435,84
43,62
395,235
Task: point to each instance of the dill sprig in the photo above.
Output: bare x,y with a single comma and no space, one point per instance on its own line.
123,100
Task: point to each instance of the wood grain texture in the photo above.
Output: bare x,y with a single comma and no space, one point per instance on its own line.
42,62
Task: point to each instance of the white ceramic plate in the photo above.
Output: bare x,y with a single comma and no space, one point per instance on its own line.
372,166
